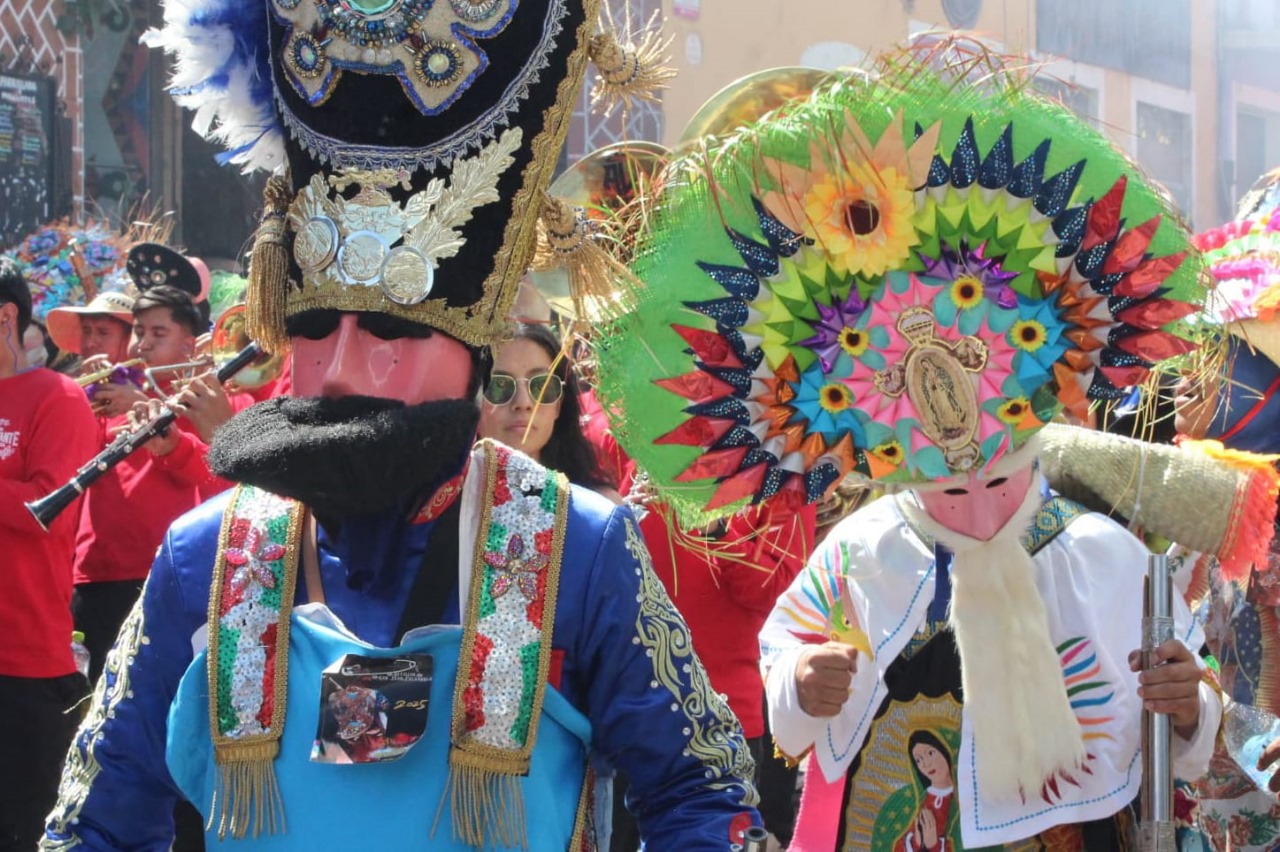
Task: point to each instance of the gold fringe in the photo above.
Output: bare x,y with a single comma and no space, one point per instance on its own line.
633,66
268,289
486,801
601,287
247,797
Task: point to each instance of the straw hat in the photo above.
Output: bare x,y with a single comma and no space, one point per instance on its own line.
64,323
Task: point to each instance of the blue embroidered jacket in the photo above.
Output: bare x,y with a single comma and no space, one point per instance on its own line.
625,661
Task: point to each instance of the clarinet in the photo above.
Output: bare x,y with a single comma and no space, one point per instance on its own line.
49,507
753,840
1156,826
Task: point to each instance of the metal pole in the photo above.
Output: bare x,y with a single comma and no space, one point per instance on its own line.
1156,829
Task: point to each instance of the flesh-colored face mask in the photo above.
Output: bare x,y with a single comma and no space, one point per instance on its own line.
351,361
978,507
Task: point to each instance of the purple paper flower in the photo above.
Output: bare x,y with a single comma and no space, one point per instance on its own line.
973,264
834,328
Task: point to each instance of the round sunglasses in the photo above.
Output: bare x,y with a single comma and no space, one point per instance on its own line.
545,389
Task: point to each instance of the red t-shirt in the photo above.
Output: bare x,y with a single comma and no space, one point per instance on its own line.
47,431
127,512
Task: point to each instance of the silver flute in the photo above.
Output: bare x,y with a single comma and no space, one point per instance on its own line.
1156,826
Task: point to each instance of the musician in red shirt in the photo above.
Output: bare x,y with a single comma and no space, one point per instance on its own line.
46,431
127,511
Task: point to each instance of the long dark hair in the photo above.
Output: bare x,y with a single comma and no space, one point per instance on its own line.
924,737
568,450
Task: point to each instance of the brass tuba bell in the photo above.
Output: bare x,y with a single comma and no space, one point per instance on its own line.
228,338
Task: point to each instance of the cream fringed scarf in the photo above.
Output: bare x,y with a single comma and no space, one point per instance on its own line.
1024,730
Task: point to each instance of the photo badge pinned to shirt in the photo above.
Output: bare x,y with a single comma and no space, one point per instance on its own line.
372,710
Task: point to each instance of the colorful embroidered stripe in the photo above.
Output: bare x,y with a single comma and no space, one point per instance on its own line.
507,642
252,596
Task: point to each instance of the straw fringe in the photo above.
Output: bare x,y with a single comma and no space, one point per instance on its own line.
633,66
601,287
1254,510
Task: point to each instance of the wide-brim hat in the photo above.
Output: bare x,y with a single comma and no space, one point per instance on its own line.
64,323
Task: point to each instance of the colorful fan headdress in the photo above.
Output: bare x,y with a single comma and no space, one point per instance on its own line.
1244,263
904,278
68,265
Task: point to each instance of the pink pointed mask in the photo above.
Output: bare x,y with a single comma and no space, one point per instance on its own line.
978,507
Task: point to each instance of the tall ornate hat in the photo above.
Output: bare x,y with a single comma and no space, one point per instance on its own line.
412,141
905,277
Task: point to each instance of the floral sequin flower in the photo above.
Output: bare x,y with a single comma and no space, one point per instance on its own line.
834,331
889,452
856,199
862,218
825,407
516,568
966,292
251,560
835,398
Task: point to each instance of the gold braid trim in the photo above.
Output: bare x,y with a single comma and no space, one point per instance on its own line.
520,238
715,738
584,833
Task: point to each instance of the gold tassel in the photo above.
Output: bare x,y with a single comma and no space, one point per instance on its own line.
486,802
601,287
268,289
633,66
247,797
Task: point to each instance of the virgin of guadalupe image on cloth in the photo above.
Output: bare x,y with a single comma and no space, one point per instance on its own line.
935,816
902,796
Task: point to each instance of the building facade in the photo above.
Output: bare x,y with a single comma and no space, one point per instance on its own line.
1187,87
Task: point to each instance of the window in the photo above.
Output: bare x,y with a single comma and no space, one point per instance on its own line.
1082,100
1165,148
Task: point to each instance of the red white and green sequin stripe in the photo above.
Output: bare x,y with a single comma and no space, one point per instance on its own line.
506,650
252,595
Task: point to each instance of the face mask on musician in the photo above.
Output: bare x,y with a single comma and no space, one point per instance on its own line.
159,341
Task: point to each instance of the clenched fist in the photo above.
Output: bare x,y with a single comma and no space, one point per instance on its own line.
823,677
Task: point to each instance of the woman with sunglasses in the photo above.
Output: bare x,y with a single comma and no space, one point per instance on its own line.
534,408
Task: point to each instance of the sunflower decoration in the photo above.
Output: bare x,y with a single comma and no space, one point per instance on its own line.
903,278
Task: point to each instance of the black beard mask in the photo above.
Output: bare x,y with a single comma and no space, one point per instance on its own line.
354,455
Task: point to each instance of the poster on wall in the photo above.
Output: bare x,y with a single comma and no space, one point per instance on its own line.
27,106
